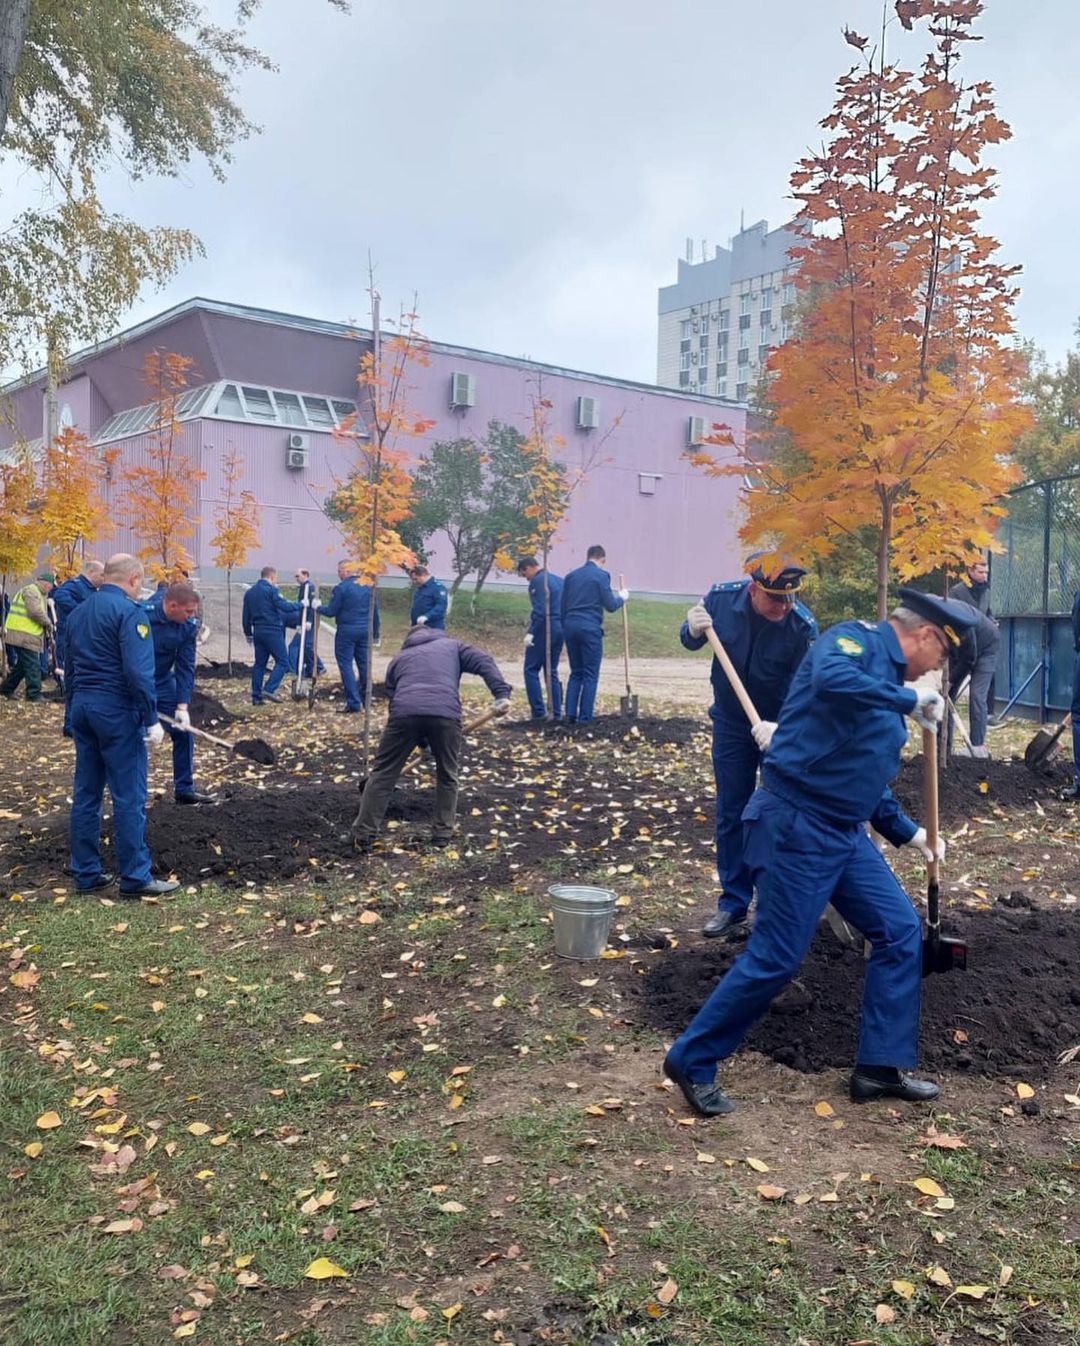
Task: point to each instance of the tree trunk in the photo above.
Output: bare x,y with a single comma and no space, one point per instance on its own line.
228,621
883,550
456,583
481,579
549,679
369,681
14,18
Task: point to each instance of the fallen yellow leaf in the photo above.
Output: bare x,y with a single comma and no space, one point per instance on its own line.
768,1192
703,1157
758,1166
884,1314
928,1187
452,1312
395,1076
667,1291
185,1330
904,1289
1005,1274
33,1149
322,1269
26,979
823,1109
369,917
198,1128
310,1018
1024,1091
939,1276
972,1291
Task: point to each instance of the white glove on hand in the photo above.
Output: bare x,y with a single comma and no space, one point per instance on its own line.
529,642
698,620
378,642
929,710
762,733
502,705
154,736
421,621
182,717
316,604
920,844
203,635
624,594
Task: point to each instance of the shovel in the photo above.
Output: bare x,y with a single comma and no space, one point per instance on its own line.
939,954
300,689
255,749
1043,744
314,660
628,704
415,759
840,928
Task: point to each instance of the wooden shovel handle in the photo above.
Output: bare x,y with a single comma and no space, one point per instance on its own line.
199,733
724,660
930,799
625,637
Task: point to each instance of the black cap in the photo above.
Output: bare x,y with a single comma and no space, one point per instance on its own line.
953,618
785,580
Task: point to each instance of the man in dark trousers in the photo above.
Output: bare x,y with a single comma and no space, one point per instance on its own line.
26,628
975,590
425,706
110,682
545,596
825,775
430,602
977,657
66,598
765,631
305,599
266,615
1073,792
174,627
350,606
586,595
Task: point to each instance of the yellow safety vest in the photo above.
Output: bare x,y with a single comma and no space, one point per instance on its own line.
19,619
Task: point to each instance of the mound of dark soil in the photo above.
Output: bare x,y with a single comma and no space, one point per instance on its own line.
214,669
969,787
613,729
1014,1010
208,713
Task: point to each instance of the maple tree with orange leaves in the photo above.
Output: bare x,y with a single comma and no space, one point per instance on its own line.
161,483
21,533
897,399
236,519
74,512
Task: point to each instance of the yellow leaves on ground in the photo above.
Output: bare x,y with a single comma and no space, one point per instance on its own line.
667,1291
757,1165
26,978
369,917
452,1311
48,1121
33,1149
452,1208
317,1203
928,1187
939,1276
199,1128
972,1291
905,1289
322,1269
768,1192
185,1330
1024,1091
703,1157
884,1313
395,1076
824,1109
1005,1274
310,1018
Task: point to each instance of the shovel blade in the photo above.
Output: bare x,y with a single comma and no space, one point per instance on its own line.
943,955
1039,749
628,707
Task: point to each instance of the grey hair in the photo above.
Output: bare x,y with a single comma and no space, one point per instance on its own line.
122,566
93,567
910,621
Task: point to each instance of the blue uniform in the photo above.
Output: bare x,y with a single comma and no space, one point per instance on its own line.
1075,707
110,683
536,653
766,655
826,773
66,598
305,594
265,617
586,595
174,681
430,601
350,605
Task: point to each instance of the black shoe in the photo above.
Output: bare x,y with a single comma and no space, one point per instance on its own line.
271,696
103,880
725,923
706,1098
440,843
350,710
1073,792
152,888
865,1087
195,797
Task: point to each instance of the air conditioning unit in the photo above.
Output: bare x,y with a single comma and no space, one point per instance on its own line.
295,459
695,430
693,357
462,390
588,413
297,441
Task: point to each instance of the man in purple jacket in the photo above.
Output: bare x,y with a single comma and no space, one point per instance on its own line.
422,682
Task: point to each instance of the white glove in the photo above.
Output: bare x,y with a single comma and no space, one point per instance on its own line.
316,603
929,710
182,718
624,594
421,621
378,642
529,641
502,705
154,736
698,620
762,733
203,635
920,844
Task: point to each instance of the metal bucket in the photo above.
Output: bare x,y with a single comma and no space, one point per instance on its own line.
582,919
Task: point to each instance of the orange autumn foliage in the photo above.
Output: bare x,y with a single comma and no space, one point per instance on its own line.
75,512
20,524
896,403
236,518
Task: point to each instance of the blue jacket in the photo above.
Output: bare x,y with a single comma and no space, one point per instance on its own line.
66,598
536,598
430,601
174,656
111,655
265,607
423,678
349,604
841,730
767,664
586,595
1076,621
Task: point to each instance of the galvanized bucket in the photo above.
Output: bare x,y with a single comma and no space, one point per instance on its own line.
582,919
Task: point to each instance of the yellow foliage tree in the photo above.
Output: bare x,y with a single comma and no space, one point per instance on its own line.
237,520
21,533
75,512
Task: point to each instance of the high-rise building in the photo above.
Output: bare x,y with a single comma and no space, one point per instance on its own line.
724,314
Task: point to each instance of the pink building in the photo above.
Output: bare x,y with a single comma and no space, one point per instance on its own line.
273,386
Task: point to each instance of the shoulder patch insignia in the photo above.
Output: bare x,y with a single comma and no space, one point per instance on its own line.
143,630
846,645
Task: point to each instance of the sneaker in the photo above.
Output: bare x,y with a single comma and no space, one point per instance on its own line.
152,888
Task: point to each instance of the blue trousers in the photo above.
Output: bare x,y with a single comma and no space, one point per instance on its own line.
735,759
294,655
1075,708
269,644
799,865
535,680
109,750
183,754
584,651
350,651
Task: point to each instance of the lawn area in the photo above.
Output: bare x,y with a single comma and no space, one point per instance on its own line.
336,1100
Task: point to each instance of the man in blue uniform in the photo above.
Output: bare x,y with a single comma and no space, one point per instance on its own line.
110,682
1073,792
350,606
305,598
826,773
174,628
265,617
65,599
430,602
586,595
545,595
766,631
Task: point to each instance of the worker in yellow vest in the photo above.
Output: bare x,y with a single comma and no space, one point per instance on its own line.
28,623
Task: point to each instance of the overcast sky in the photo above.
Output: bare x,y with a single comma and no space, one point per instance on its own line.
533,170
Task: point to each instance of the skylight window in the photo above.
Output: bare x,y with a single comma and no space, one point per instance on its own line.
235,402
